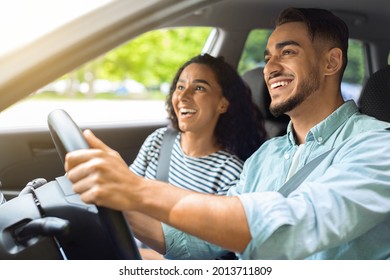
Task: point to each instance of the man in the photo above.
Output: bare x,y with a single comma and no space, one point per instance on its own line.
341,210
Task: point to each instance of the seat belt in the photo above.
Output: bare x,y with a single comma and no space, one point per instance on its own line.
296,180
163,170
2,198
302,174
165,154
285,190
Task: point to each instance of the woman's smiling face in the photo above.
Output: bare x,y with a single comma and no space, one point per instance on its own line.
198,100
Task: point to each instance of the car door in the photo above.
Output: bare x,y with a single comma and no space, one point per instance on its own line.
28,154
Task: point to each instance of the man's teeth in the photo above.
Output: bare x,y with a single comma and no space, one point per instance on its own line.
279,84
187,111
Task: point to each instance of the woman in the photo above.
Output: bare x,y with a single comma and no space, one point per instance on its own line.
212,108
219,127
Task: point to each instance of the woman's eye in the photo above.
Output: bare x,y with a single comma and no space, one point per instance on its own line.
200,88
179,87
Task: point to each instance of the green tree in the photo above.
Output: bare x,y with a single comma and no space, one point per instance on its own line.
354,73
153,57
253,54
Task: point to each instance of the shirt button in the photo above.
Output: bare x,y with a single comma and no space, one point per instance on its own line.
320,139
286,156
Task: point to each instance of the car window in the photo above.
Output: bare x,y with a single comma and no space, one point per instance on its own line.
129,83
354,75
253,52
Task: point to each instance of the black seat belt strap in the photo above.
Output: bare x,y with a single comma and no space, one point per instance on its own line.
301,175
165,154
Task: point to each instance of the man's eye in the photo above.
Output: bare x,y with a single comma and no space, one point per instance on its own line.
287,52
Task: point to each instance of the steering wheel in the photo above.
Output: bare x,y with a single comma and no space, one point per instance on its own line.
67,137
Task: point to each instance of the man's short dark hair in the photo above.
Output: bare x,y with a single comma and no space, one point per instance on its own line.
321,24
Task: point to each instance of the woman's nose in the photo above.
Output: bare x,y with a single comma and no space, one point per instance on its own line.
184,94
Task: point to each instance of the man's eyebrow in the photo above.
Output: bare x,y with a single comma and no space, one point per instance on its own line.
281,45
287,43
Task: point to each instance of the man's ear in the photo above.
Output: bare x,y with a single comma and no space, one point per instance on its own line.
334,61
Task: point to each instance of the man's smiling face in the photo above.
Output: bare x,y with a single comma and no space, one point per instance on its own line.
291,71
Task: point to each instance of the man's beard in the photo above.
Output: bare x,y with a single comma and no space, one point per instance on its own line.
306,88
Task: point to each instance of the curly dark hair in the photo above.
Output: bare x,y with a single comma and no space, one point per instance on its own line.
240,130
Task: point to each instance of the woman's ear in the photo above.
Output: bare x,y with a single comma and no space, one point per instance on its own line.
223,105
334,61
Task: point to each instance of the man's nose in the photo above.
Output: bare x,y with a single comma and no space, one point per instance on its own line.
271,68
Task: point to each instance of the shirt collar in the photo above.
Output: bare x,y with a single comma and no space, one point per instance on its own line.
323,130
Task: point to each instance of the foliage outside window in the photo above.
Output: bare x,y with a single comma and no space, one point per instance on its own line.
142,68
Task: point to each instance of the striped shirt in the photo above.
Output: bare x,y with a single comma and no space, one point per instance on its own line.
213,174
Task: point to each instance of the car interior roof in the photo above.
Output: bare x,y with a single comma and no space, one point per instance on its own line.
366,19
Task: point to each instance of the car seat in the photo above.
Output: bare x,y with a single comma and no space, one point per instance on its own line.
375,97
275,126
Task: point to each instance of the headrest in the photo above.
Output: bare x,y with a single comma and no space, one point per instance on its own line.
375,97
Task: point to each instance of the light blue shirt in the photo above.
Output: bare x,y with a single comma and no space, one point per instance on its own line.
341,210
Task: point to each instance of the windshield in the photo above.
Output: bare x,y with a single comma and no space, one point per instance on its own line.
22,21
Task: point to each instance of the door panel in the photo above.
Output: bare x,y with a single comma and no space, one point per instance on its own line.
29,154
